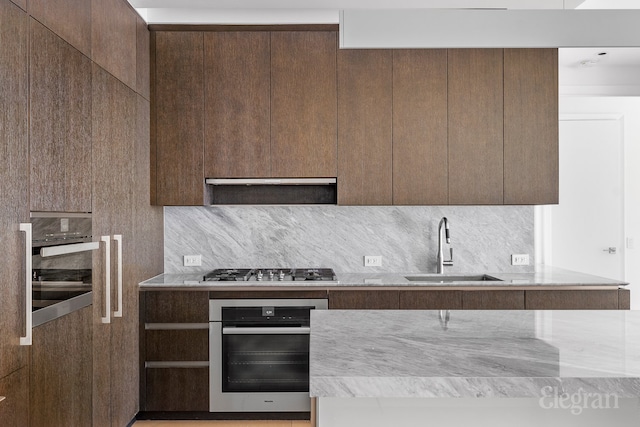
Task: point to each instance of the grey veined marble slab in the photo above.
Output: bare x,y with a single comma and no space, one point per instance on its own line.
473,353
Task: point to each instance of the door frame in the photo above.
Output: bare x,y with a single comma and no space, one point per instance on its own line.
543,225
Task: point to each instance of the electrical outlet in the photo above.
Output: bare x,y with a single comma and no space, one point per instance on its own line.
192,260
372,261
520,259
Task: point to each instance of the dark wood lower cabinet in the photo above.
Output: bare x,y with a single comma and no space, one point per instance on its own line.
61,371
572,300
177,389
14,410
364,300
493,300
624,299
431,300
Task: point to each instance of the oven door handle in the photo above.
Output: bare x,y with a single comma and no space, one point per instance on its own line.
267,331
73,248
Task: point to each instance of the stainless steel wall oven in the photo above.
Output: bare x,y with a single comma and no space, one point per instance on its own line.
61,258
259,354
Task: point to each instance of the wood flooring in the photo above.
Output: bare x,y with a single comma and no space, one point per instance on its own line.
147,423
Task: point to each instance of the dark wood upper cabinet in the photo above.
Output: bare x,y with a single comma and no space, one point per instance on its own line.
237,109
179,118
143,52
14,194
69,19
531,126
420,165
476,126
60,140
364,127
114,38
303,104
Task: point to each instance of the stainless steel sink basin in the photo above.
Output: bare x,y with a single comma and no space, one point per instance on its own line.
443,278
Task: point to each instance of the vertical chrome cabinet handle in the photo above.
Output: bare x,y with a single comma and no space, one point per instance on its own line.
107,278
27,339
118,312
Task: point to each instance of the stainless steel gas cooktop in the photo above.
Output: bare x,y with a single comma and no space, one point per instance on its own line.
325,275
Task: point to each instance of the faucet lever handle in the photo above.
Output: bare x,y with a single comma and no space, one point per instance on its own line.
450,260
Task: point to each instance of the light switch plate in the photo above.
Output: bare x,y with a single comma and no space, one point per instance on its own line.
373,261
520,259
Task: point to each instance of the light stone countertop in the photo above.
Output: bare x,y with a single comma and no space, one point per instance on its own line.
481,354
543,277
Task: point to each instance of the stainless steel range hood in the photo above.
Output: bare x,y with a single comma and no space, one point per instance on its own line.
271,191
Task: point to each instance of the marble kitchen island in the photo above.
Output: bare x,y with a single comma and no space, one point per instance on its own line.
461,368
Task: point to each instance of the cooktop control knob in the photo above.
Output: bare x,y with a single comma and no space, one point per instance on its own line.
259,275
270,274
281,275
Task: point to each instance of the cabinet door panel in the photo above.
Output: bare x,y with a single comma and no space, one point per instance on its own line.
113,39
14,410
60,140
530,126
363,300
179,118
572,300
431,300
364,127
493,300
177,389
14,176
237,110
420,164
303,104
69,19
60,387
475,126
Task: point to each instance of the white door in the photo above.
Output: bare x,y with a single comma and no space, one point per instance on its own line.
589,219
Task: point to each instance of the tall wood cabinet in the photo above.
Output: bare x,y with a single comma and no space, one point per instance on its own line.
60,134
14,209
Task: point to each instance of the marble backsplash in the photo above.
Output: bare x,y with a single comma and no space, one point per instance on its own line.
483,237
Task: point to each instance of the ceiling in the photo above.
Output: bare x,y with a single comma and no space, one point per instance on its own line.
582,71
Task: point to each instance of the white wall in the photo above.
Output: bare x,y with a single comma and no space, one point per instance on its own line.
629,107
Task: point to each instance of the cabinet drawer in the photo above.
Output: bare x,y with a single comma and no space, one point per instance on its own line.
179,345
573,300
177,389
176,307
493,300
431,300
363,300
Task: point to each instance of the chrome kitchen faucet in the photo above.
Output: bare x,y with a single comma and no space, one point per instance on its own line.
444,223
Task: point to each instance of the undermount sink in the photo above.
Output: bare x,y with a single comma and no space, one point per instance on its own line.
442,278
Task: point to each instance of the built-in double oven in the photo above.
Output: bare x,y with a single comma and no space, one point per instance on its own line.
259,354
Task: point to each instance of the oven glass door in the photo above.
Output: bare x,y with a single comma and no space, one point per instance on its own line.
269,361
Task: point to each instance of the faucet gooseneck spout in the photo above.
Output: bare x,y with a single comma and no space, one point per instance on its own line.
444,224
